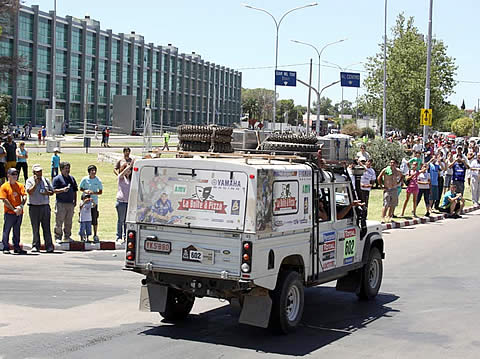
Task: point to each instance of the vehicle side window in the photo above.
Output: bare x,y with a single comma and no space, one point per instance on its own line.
324,209
342,202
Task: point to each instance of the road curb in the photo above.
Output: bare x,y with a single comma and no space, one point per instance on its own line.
77,246
423,220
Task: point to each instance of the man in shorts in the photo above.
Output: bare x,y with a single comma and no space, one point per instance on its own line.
390,177
93,186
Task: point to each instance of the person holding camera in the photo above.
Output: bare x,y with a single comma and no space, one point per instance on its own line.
459,167
39,190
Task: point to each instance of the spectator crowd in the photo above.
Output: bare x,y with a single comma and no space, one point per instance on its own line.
36,191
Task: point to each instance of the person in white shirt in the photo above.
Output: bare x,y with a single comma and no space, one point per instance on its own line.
367,181
474,181
363,153
418,147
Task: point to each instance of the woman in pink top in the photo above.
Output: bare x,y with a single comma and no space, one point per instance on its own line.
124,178
412,188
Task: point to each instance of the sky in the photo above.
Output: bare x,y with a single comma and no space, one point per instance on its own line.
227,33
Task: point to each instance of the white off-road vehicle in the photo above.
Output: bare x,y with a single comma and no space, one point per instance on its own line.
252,229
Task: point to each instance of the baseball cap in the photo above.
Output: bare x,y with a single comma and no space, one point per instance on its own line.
12,171
56,149
36,168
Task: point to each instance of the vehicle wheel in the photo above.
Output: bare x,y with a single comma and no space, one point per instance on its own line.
287,303
372,273
179,304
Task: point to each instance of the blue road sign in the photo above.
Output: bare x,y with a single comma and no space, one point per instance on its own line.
349,79
285,78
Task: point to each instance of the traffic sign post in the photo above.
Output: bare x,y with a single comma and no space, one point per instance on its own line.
285,78
349,79
426,117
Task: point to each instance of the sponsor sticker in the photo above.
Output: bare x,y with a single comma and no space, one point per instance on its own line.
198,255
305,205
306,188
207,205
235,209
349,246
329,250
180,189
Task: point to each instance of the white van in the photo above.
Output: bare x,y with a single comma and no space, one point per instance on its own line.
249,229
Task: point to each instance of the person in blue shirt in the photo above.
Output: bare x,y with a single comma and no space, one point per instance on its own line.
452,203
434,168
459,167
93,186
163,207
55,162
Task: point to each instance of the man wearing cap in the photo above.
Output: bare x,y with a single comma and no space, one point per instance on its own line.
13,195
66,189
39,190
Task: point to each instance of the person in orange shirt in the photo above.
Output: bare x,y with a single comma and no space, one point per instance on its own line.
13,195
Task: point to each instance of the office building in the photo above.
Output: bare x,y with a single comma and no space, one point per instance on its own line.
88,66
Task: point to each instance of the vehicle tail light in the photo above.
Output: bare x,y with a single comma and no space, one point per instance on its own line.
131,248
246,266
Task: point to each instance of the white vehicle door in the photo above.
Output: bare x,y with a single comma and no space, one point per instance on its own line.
328,235
346,229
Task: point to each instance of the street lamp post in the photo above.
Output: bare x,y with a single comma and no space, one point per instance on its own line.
429,61
384,112
319,53
277,26
342,69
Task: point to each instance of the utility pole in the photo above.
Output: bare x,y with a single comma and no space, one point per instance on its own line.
429,61
309,98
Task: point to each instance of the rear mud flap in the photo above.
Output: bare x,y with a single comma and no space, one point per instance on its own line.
350,283
256,310
153,298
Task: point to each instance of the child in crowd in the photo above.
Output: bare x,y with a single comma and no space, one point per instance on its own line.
86,217
55,162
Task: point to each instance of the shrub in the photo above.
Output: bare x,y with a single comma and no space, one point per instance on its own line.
381,151
367,131
462,126
351,130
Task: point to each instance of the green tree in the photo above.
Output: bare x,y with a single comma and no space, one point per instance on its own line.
326,107
4,110
406,72
286,112
10,65
347,108
462,126
352,130
299,112
258,103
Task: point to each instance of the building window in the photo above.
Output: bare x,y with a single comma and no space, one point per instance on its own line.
75,90
90,67
25,84
102,115
77,40
25,27
90,92
61,88
136,53
25,51
24,111
103,46
116,50
102,70
113,92
6,48
126,74
91,43
61,62
102,93
74,112
43,86
44,31
127,52
114,73
76,65
61,36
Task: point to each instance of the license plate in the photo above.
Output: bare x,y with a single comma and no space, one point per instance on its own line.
199,255
157,246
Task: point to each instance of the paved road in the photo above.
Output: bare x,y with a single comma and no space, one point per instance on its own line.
82,305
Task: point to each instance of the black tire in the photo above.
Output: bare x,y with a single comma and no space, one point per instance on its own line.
197,137
289,147
179,304
203,129
287,303
372,273
292,138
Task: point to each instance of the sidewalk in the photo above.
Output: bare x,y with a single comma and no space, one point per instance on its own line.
423,220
